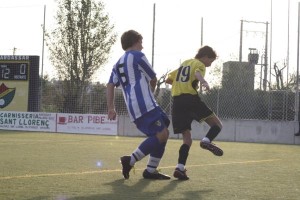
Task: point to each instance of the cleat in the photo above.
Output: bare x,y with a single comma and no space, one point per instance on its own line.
211,147
181,175
156,175
126,167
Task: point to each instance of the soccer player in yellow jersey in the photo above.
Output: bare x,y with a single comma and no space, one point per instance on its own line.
188,106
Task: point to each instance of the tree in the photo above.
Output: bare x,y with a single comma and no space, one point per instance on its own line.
79,46
52,95
278,75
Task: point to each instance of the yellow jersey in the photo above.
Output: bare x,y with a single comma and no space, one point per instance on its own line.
184,80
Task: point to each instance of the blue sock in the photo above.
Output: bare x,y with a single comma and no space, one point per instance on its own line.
159,152
155,157
149,144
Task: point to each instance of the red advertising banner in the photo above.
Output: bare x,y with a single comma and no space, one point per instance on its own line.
86,123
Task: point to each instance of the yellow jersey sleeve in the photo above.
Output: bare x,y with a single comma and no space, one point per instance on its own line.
172,75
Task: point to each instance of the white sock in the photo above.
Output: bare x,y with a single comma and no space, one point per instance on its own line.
138,154
180,166
152,164
205,139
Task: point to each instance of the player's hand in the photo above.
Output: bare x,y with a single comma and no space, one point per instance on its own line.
205,85
112,114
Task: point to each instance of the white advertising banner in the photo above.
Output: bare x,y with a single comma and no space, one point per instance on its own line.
86,123
27,121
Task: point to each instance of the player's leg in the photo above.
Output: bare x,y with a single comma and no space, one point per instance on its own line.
157,153
203,113
155,157
215,128
155,127
182,125
138,154
180,170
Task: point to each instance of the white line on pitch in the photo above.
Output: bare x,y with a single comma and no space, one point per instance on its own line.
118,170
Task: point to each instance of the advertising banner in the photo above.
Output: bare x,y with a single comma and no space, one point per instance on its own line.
86,123
27,121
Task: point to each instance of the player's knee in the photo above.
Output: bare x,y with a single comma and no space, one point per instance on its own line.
188,142
166,134
163,136
220,125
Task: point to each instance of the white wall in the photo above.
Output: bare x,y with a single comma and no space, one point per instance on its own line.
257,131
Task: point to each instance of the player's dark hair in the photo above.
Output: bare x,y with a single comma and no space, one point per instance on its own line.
206,51
129,38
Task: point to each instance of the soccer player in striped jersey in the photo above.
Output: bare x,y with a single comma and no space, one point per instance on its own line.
188,106
134,74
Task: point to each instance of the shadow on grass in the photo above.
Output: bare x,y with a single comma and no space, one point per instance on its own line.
121,190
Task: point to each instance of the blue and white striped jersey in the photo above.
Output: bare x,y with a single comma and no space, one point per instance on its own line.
133,72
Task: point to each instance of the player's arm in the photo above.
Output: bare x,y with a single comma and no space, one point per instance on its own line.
169,81
153,83
110,97
203,82
170,78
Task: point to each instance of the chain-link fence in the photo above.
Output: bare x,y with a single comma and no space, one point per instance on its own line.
235,98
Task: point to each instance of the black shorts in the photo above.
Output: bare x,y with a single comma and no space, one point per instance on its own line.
187,108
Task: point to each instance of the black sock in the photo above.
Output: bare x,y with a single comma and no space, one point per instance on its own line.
213,132
183,153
